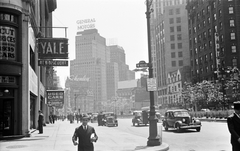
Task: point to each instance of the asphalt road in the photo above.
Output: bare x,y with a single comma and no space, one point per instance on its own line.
214,136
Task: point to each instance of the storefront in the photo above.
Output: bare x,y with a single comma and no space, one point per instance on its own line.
10,75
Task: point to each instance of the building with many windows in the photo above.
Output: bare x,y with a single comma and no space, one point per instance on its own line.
172,47
214,32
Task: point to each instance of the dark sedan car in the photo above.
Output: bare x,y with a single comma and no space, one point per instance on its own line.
180,119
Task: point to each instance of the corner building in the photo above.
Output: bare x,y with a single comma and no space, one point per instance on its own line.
22,81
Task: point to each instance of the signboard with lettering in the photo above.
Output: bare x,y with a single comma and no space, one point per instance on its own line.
53,48
151,84
55,97
52,62
85,24
7,43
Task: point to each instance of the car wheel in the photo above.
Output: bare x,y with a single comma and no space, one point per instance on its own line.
178,128
198,129
165,126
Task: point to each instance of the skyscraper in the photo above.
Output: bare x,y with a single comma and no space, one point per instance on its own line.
90,65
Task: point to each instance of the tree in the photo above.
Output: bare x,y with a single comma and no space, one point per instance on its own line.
201,93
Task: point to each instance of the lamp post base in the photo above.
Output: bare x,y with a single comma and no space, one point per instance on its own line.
154,139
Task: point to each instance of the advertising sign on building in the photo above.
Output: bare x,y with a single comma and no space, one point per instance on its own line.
53,48
7,43
85,24
55,98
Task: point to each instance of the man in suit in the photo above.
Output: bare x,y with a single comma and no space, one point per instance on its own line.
85,135
233,122
40,122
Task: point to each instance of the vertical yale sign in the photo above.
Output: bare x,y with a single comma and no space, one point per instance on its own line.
53,48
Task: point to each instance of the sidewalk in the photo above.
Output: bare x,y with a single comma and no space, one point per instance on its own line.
58,137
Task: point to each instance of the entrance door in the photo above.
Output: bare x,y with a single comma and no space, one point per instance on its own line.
6,116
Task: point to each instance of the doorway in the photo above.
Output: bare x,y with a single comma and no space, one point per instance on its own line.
6,116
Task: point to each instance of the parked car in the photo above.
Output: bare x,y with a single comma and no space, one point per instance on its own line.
180,119
140,117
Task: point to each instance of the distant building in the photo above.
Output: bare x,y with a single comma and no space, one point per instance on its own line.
90,65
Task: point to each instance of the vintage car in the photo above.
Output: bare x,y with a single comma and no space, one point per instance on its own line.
94,117
180,119
140,117
110,119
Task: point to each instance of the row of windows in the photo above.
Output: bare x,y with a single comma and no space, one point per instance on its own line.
177,11
171,20
180,54
180,63
179,46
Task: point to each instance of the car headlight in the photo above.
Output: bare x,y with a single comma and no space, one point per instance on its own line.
183,120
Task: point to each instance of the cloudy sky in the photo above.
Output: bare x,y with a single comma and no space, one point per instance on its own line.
124,21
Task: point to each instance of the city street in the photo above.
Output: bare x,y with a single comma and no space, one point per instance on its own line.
214,136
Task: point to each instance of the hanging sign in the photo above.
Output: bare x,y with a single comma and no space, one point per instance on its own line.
53,48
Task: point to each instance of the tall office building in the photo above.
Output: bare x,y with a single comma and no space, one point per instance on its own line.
172,46
214,32
90,66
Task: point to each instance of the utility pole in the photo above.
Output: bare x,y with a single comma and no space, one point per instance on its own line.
154,138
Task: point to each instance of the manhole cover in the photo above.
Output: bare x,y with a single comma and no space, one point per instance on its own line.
17,146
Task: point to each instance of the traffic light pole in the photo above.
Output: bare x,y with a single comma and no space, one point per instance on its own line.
154,138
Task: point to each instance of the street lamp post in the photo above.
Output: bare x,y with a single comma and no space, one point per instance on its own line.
154,138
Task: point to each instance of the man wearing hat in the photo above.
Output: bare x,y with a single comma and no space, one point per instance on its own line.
40,122
85,135
233,122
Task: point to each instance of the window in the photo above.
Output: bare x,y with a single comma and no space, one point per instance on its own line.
215,17
171,21
179,37
172,38
210,43
234,49
179,28
232,23
178,11
179,45
234,62
180,62
172,46
173,55
209,32
220,26
178,19
209,20
170,11
171,29
204,23
195,29
220,12
230,10
180,54
211,56
233,36
173,63
196,61
206,58
204,35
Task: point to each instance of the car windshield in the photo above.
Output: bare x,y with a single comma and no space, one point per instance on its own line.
181,113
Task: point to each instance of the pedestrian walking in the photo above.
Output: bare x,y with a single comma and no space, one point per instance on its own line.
84,136
233,122
40,122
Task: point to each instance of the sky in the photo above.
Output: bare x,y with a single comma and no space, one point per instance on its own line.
121,20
